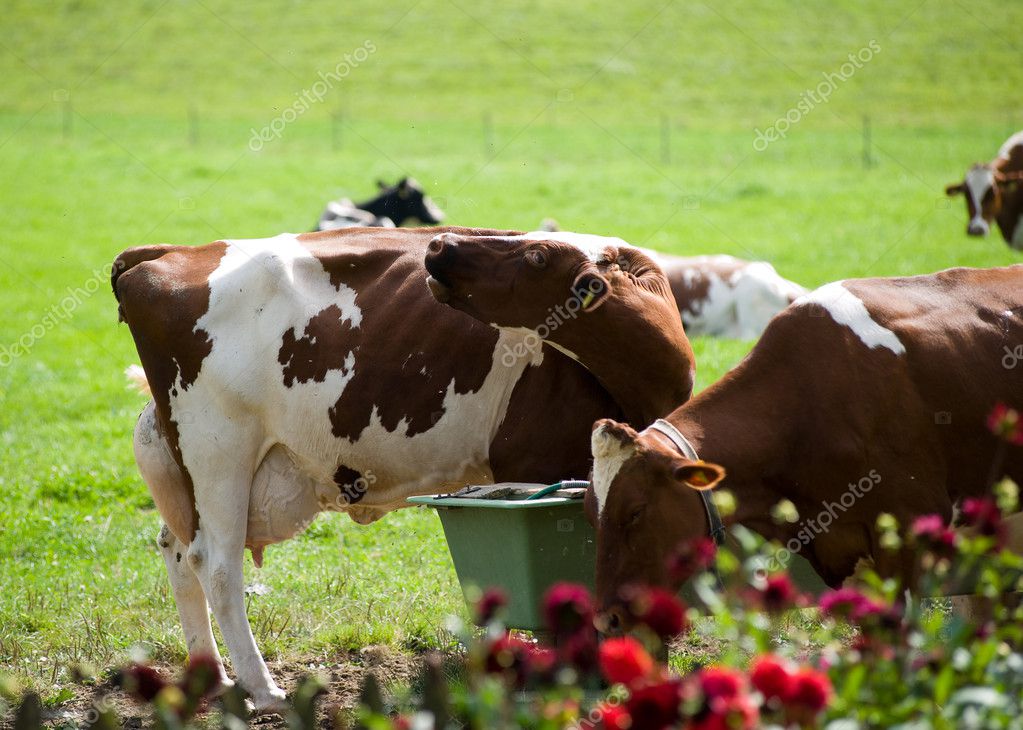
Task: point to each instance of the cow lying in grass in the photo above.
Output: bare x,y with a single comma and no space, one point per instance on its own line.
305,373
865,396
392,206
722,296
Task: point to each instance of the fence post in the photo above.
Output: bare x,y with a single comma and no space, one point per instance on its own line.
868,157
193,125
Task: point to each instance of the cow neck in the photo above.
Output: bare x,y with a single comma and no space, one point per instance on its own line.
648,375
746,431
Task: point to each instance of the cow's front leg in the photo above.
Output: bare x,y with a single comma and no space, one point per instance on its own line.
191,601
215,555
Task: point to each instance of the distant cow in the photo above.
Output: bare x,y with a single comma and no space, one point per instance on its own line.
864,396
394,205
723,296
993,193
298,374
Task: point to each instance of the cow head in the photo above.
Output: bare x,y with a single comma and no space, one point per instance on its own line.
406,199
644,502
983,187
599,300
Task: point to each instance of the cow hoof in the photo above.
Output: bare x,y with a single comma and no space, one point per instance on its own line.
274,703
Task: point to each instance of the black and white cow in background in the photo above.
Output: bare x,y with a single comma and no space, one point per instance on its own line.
393,205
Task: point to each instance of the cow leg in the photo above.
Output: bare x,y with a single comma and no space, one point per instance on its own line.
191,601
215,555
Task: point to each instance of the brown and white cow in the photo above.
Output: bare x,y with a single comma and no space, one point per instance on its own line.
314,372
864,396
723,296
994,192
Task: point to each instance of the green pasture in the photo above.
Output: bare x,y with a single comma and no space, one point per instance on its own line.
129,123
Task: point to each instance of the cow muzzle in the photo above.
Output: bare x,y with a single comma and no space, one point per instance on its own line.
978,227
440,254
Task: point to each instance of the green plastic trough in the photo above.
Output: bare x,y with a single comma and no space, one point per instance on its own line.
520,545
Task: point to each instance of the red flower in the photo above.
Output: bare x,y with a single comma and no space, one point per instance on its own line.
982,514
932,533
142,682
720,683
655,706
779,593
508,656
811,690
613,717
661,611
580,650
541,662
1005,423
568,608
492,601
202,677
848,603
690,557
737,713
772,677
624,661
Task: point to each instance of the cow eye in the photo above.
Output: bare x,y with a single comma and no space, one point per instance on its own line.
535,257
636,515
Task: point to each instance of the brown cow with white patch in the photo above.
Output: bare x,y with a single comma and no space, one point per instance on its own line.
865,396
994,192
298,374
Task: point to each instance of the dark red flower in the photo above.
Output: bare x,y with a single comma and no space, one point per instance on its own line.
779,593
541,662
202,677
142,681
661,611
983,515
691,557
507,656
1005,423
772,677
492,601
655,706
579,650
932,533
810,689
624,661
568,608
736,713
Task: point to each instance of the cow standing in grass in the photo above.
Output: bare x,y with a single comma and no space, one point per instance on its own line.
298,374
994,192
865,396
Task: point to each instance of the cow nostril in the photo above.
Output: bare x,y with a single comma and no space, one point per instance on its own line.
436,245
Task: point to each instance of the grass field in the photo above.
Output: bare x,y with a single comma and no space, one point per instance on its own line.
635,120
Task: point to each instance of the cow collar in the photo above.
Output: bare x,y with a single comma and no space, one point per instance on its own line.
717,527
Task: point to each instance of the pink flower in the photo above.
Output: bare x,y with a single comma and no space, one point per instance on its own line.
982,514
624,661
568,608
778,594
772,677
492,601
933,534
849,604
720,683
1005,423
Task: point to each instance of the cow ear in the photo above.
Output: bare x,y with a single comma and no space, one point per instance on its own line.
953,190
381,185
403,183
591,290
609,437
698,475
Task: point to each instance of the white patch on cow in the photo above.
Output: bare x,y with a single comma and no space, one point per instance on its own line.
591,245
1016,140
978,181
849,310
609,454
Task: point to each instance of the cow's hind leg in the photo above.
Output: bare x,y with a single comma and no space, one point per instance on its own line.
170,492
222,487
191,601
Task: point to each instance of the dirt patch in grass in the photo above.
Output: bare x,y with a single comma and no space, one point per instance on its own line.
344,675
